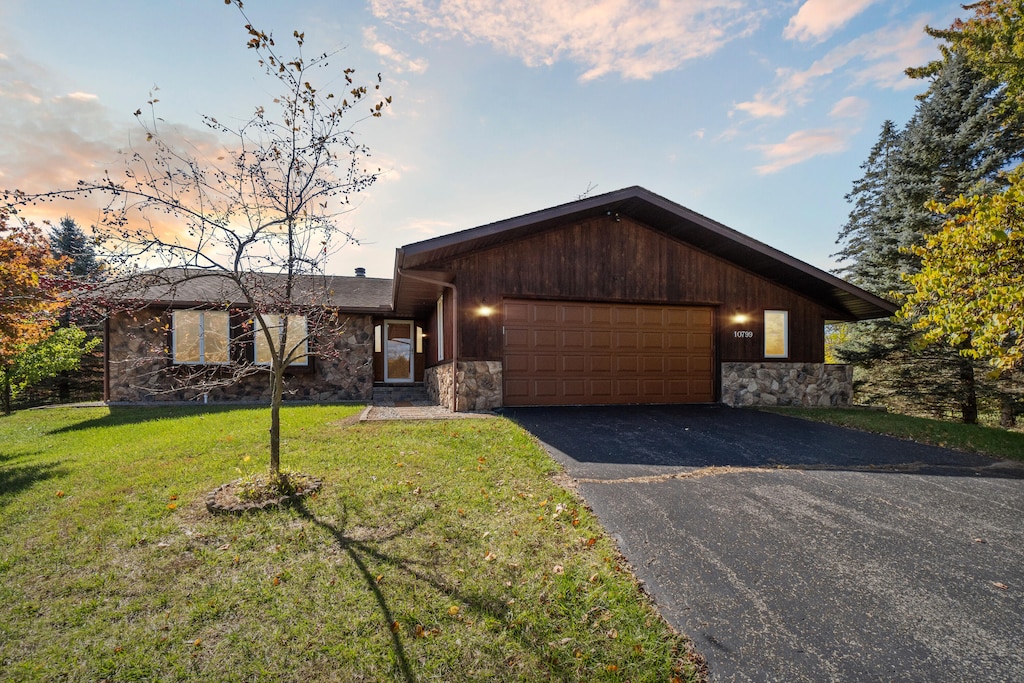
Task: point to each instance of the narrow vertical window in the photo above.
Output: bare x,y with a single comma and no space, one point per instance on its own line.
440,328
776,334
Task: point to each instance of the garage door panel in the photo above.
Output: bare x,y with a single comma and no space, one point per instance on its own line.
599,314
628,388
626,364
585,353
545,363
574,339
545,339
545,313
574,314
576,365
516,312
574,388
516,338
599,339
652,340
517,363
626,341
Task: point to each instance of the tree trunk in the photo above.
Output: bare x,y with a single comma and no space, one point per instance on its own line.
968,394
7,394
276,392
1007,412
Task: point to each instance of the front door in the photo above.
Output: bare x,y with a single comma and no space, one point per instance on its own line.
398,351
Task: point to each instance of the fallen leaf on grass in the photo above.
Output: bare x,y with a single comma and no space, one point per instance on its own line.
611,667
453,610
419,631
613,634
224,547
395,627
593,578
59,494
1001,586
172,506
558,569
490,556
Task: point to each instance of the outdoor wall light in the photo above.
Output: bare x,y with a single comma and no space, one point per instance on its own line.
485,311
740,318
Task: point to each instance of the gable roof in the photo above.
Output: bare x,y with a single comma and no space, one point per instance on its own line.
662,215
190,287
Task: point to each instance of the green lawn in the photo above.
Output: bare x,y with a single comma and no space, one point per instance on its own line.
993,441
436,551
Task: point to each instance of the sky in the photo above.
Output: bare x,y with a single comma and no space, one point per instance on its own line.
757,114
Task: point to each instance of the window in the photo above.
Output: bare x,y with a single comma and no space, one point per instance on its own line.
776,334
440,328
200,337
297,333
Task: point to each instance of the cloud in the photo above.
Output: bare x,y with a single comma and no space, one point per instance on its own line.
51,141
818,19
82,96
801,146
875,59
761,107
634,38
850,108
398,61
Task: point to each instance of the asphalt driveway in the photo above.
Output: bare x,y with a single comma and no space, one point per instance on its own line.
796,551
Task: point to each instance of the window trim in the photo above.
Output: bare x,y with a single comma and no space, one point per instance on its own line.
202,336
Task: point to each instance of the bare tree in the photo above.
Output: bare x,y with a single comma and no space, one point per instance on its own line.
258,211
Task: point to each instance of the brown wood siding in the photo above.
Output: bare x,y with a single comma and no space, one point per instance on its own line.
622,260
578,353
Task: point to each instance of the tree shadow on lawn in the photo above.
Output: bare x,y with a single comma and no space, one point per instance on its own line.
699,436
360,551
137,414
17,478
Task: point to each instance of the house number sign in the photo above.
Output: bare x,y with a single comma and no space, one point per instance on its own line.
743,334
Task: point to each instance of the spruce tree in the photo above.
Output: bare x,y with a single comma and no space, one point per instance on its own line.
956,143
68,240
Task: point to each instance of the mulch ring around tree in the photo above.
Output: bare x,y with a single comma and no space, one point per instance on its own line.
260,492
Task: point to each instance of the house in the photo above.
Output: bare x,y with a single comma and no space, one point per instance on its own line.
621,298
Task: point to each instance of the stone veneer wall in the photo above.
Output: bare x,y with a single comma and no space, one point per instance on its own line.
787,384
438,382
478,386
140,368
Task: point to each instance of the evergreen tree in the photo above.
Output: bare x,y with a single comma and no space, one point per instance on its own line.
869,261
68,240
956,143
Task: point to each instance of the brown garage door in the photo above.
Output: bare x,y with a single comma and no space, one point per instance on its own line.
574,353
